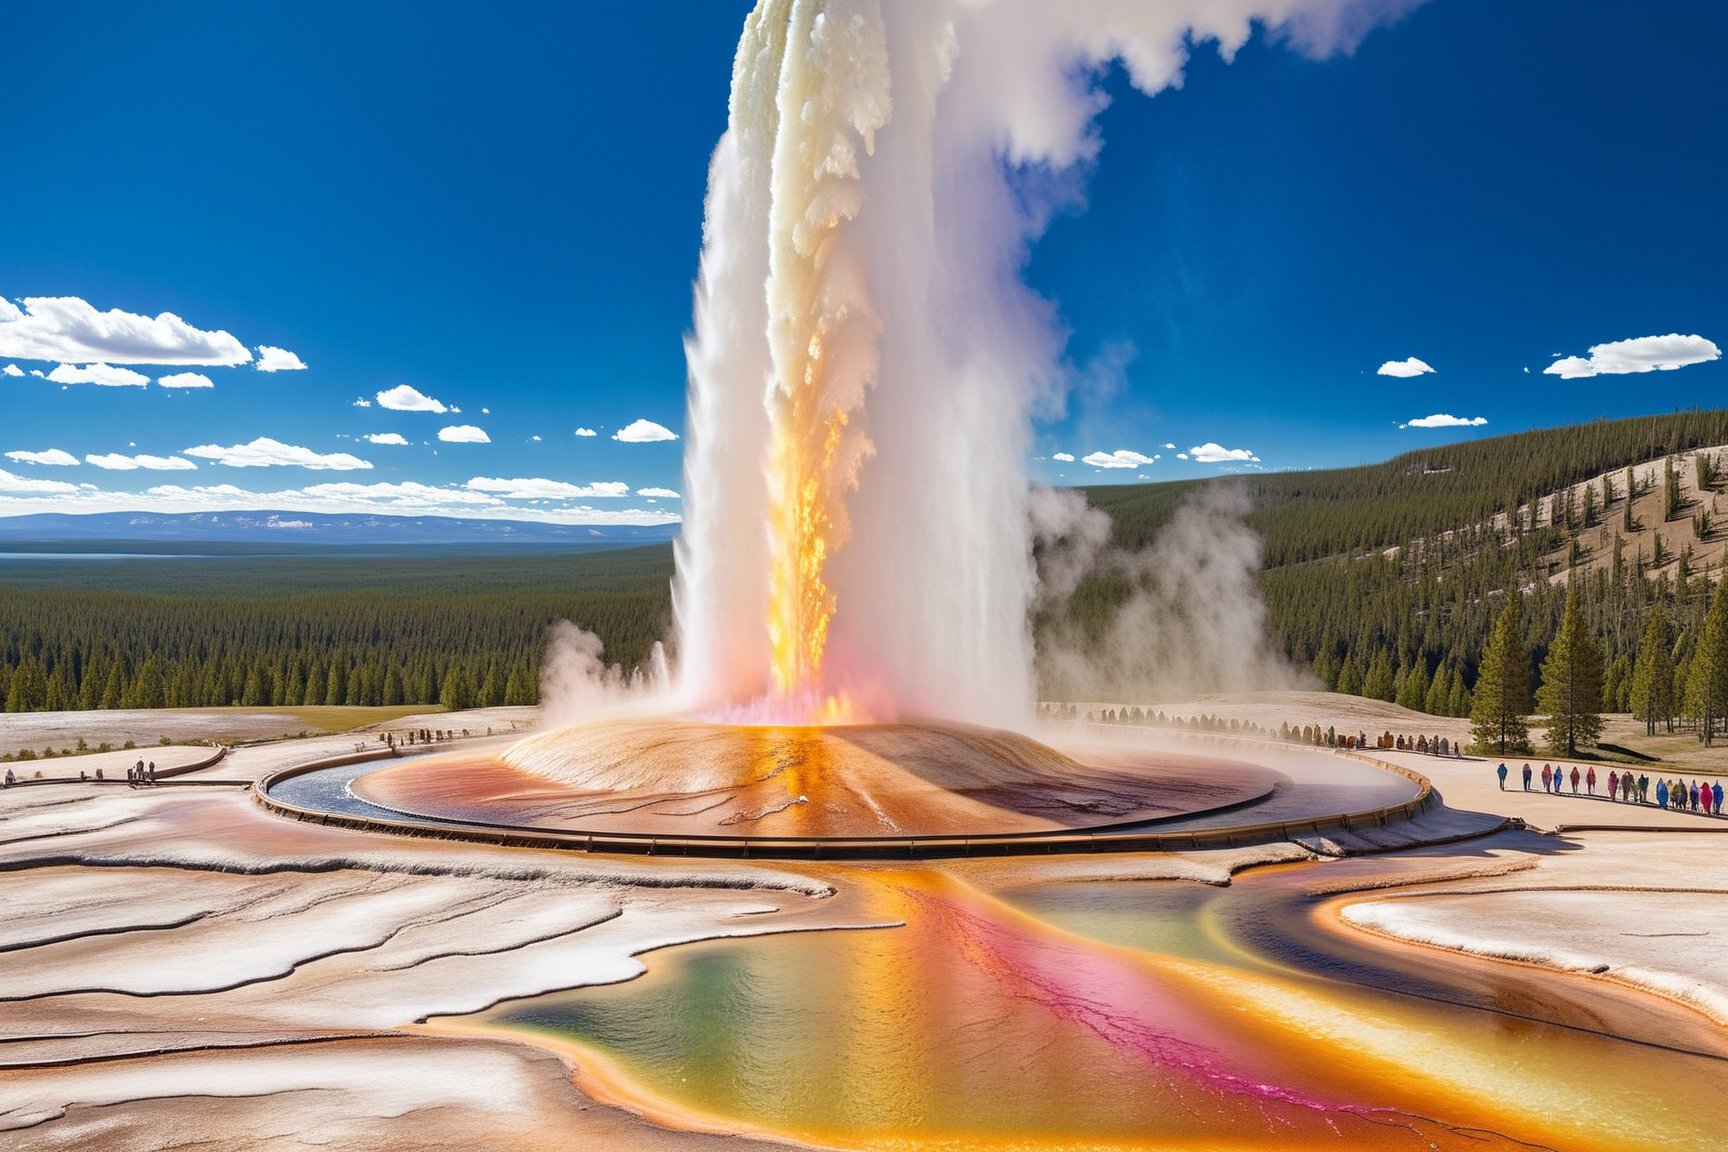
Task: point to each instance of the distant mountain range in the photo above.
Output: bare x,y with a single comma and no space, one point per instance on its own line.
324,530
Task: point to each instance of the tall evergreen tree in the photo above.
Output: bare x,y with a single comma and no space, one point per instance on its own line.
1653,675
1571,694
1413,692
1707,683
1501,698
1379,683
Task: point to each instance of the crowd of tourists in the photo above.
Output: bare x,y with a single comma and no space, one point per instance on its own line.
1622,786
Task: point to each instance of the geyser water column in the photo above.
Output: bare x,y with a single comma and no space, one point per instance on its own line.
866,360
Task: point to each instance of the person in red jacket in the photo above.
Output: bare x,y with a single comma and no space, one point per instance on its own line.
1613,784
1547,778
1575,776
1590,780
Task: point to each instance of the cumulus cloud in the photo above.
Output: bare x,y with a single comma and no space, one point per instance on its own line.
1403,368
52,456
104,374
1210,453
1121,458
585,432
535,437
362,402
23,484
463,434
407,398
12,370
67,329
386,438
117,462
1170,447
185,380
539,489
267,453
658,493
278,360
1445,420
1640,354
1064,457
644,432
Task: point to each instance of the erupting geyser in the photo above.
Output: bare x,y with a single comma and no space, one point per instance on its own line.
866,361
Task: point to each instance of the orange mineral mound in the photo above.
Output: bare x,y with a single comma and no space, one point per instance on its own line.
673,777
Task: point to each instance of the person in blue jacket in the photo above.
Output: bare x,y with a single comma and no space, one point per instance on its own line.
1661,793
1501,772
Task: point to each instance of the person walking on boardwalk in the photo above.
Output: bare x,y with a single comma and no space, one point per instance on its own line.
1547,779
1501,772
1716,797
1661,793
1526,776
1613,784
1590,780
1576,775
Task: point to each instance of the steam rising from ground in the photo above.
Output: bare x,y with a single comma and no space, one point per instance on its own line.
866,360
1190,618
576,681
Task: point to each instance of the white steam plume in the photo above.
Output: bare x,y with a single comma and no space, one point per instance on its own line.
886,166
1192,619
576,682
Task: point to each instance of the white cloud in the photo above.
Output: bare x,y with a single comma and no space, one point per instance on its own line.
52,456
22,484
463,434
1065,457
278,360
1170,447
67,329
1641,354
12,370
1403,368
407,398
116,462
585,432
658,493
103,374
1446,420
19,496
386,438
185,380
362,402
1210,453
1121,458
643,432
535,437
266,453
538,489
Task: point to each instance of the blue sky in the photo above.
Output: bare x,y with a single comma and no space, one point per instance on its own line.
503,215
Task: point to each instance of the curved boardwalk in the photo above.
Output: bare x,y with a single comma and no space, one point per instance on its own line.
318,792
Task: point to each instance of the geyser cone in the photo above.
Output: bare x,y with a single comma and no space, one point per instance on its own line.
668,777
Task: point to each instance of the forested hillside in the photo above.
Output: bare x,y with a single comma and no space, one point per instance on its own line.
359,630
1386,580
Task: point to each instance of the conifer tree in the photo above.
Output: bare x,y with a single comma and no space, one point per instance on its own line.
1571,695
1349,679
1653,675
1413,693
1378,684
1501,698
1439,691
1707,682
1627,523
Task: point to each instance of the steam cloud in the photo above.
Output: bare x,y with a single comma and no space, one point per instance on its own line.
576,682
1191,619
886,166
